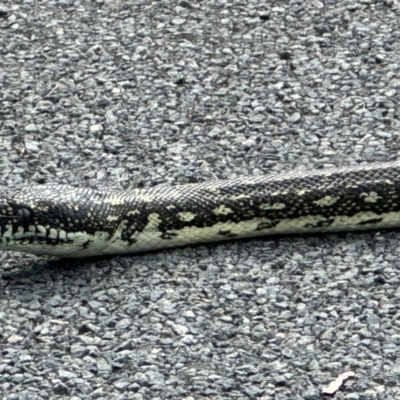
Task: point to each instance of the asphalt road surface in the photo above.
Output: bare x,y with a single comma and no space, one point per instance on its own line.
127,94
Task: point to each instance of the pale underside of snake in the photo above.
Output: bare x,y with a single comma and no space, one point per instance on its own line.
65,221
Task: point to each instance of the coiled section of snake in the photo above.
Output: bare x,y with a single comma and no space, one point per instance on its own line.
65,221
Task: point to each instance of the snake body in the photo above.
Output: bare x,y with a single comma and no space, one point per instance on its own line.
66,221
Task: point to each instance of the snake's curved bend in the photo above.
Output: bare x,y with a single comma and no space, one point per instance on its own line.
65,221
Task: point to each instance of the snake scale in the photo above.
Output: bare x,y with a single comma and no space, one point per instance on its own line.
65,221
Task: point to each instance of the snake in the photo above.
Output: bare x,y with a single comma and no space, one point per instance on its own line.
67,221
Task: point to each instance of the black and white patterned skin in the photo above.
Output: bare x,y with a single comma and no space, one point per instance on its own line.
65,221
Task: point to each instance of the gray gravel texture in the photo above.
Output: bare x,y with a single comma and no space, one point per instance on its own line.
136,93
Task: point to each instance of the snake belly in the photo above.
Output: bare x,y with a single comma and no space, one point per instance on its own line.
65,221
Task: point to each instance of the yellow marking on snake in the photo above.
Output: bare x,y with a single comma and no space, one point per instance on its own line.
371,197
273,206
302,192
326,201
186,216
222,210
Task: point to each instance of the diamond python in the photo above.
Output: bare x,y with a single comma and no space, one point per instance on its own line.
65,221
